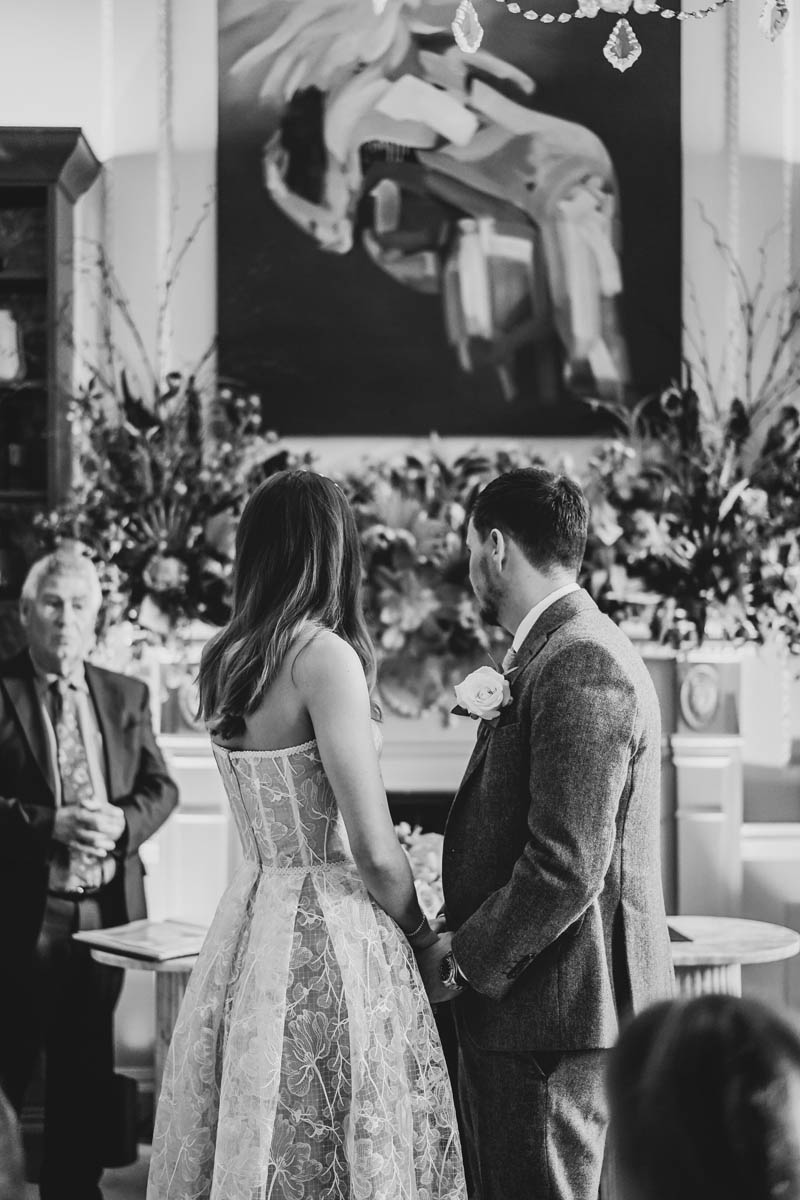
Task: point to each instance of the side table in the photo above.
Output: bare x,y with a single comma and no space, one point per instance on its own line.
172,976
711,958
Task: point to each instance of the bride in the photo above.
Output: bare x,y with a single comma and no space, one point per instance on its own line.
305,1064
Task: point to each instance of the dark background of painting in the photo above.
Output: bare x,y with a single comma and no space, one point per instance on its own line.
336,347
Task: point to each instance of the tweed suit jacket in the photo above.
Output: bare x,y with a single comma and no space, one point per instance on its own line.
138,782
552,874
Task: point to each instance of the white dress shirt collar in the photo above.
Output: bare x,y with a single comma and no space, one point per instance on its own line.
75,679
527,623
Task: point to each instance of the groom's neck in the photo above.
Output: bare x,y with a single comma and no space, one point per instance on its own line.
527,593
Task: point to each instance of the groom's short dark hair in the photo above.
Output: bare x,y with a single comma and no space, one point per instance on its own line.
547,516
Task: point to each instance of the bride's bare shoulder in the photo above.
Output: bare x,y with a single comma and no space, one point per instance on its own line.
322,656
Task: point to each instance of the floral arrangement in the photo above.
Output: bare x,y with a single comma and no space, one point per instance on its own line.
696,507
689,533
420,608
162,466
158,489
424,851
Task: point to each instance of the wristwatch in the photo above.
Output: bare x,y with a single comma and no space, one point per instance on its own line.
450,974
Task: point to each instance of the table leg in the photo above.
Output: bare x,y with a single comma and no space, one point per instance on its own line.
700,981
170,990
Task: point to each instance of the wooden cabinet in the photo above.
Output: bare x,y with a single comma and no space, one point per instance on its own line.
43,172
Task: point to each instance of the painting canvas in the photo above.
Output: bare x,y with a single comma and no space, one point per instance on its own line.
414,239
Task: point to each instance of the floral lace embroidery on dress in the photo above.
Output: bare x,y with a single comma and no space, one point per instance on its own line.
305,1064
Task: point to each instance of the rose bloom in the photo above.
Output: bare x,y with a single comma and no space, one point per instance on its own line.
755,502
484,693
165,574
220,533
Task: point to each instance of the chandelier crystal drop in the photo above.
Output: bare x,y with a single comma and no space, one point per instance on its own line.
467,29
623,48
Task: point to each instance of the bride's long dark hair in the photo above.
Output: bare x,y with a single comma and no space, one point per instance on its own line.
298,562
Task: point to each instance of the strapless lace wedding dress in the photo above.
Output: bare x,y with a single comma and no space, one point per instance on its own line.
305,1063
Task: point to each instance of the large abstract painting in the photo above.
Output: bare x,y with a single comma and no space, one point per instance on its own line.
417,239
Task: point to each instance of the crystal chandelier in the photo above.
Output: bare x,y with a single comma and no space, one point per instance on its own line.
623,47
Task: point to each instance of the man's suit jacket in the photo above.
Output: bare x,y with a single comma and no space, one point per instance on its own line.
552,873
137,781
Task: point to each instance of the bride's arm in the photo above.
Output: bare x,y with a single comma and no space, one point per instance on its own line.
330,679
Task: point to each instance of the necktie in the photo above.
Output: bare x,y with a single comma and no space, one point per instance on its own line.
509,659
73,870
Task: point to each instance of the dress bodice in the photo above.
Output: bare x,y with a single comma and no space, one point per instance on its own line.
284,807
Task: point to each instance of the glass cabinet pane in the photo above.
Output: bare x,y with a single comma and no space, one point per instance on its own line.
23,439
23,232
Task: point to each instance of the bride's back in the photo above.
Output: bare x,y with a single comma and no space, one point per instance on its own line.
281,718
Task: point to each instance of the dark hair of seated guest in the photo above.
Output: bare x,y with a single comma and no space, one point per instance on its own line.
12,1175
705,1103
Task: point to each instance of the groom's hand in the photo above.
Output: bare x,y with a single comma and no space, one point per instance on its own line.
429,962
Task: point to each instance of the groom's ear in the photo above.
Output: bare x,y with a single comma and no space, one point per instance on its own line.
499,546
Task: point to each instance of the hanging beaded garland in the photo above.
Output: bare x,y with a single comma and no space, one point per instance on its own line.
623,48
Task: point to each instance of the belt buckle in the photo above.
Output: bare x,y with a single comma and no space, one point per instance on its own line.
76,894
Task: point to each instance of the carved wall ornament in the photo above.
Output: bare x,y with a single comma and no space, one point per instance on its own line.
700,696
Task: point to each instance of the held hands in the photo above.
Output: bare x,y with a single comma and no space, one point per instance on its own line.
429,962
92,830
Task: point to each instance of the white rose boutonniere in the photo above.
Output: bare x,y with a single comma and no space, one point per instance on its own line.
483,694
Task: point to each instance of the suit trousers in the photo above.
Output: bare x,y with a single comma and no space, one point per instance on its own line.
66,1009
534,1123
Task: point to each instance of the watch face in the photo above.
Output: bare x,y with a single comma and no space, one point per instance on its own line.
447,970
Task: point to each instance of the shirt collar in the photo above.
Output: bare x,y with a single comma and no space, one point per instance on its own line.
76,679
527,623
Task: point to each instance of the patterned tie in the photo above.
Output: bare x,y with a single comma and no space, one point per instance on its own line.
509,659
73,870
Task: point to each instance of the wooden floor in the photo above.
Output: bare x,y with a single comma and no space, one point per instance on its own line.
128,1183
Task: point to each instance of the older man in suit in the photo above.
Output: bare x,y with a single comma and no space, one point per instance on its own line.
82,786
551,870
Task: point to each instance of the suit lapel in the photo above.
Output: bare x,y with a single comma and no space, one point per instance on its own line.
108,705
22,694
478,753
528,651
550,620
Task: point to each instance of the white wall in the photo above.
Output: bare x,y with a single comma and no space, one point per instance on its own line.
741,140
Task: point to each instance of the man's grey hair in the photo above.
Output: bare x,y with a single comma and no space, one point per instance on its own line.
69,558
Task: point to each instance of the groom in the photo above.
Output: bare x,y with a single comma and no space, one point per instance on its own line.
552,877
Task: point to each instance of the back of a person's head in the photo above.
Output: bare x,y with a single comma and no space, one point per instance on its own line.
547,515
12,1174
298,563
705,1103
